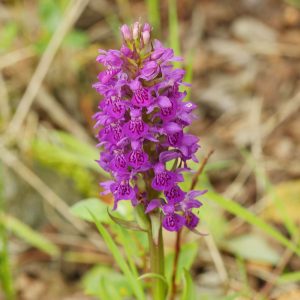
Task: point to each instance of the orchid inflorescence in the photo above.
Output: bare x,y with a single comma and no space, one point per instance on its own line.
142,118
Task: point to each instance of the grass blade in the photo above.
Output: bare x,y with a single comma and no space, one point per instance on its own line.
291,226
188,292
289,277
174,28
5,271
103,289
131,225
61,154
249,217
33,238
135,285
153,9
82,210
127,241
75,145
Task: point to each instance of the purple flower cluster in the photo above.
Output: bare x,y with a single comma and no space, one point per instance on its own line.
142,118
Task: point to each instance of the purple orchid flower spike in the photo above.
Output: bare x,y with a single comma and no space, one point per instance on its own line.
142,120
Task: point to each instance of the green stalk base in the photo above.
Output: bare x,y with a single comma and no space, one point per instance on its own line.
157,264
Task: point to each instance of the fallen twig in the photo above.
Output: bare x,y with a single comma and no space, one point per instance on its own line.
267,288
33,180
58,114
74,10
200,170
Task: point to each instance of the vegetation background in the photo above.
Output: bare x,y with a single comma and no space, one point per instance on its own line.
243,59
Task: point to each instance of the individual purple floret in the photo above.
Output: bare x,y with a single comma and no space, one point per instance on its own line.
142,119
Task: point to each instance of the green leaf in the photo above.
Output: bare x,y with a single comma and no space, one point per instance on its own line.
49,14
135,285
112,283
153,275
131,225
187,256
279,195
70,157
141,218
76,39
99,208
289,277
74,144
249,217
283,204
60,153
63,148
188,292
126,210
33,238
129,247
8,35
254,248
104,289
213,218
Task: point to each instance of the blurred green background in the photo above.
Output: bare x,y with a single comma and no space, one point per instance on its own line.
243,60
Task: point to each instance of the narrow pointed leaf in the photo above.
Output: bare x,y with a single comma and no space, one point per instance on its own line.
127,243
135,286
239,211
289,277
82,208
125,223
30,236
188,292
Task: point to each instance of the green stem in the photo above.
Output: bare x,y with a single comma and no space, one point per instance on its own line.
156,248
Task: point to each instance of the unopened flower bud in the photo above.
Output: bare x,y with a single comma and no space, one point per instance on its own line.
146,37
147,27
146,33
126,32
136,30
